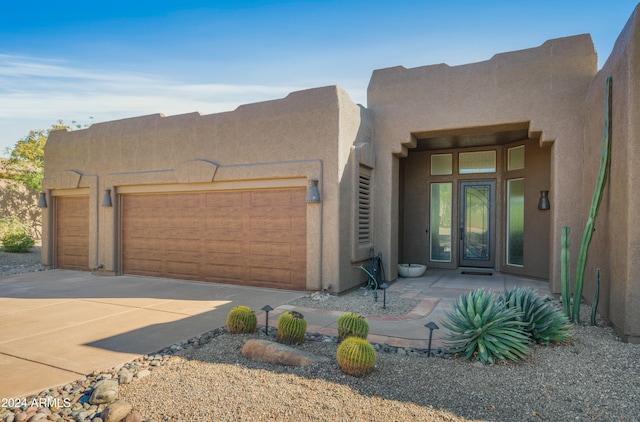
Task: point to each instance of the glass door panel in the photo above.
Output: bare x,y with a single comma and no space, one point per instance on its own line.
477,208
440,245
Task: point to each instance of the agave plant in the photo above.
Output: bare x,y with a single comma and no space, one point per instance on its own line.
544,323
481,327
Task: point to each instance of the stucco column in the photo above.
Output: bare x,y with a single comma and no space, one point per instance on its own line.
386,211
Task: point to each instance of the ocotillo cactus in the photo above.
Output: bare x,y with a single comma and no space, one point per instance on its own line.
596,299
605,162
565,263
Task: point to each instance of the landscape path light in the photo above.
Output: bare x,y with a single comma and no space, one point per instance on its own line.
267,309
431,326
384,287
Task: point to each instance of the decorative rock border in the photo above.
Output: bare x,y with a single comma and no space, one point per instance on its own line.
71,402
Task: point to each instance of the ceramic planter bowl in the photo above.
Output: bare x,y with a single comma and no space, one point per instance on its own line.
411,270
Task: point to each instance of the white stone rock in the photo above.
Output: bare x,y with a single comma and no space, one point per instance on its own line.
105,391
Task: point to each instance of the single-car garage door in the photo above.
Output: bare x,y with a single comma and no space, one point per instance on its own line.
72,232
253,238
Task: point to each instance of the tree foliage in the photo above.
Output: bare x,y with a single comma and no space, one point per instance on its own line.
26,159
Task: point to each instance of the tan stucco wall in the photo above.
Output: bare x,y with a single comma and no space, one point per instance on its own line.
281,143
545,86
615,247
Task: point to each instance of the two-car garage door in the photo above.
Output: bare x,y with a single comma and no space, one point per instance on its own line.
242,237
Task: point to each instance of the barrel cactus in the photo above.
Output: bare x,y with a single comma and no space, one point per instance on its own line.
356,356
352,325
291,328
242,319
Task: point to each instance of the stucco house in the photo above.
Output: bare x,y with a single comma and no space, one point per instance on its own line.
446,166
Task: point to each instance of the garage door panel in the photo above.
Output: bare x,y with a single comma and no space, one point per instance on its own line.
222,271
230,237
271,274
182,256
270,223
148,203
270,263
150,268
277,235
185,270
184,201
271,249
72,232
225,222
183,245
225,199
238,260
224,246
182,223
136,255
269,198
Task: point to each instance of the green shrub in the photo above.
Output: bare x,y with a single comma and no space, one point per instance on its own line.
482,327
543,322
291,328
352,325
356,356
13,225
19,242
242,319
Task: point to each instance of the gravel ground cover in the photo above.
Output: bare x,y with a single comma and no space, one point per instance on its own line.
359,301
16,263
594,377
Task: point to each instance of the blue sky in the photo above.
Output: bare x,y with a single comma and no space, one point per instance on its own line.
97,61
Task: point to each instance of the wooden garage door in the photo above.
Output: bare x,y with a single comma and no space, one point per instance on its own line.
72,232
253,238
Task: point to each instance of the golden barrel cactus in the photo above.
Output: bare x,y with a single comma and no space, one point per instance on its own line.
291,328
356,356
352,325
242,319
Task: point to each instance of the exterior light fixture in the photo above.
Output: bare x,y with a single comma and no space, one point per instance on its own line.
431,326
384,287
312,191
42,201
106,200
266,308
543,203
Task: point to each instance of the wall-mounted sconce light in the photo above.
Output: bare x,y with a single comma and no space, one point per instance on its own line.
106,200
312,191
543,203
42,201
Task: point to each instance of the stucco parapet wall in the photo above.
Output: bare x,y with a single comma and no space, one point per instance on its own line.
203,171
516,86
297,127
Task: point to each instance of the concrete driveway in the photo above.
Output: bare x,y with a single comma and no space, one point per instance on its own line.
57,326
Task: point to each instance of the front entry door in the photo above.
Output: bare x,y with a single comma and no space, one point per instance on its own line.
476,223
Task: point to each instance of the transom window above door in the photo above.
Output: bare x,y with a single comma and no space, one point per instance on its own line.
474,162
477,162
